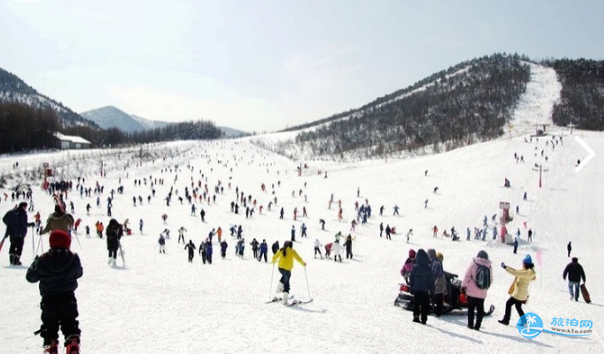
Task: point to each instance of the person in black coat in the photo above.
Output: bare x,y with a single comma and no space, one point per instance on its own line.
348,246
57,271
202,252
255,246
388,232
162,243
275,247
575,273
114,233
223,248
421,282
191,247
16,227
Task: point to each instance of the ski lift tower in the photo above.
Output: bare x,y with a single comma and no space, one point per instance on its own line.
540,129
539,167
571,126
47,173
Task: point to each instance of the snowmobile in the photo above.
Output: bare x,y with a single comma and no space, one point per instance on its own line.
453,300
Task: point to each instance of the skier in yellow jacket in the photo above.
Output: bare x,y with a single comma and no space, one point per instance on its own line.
519,288
286,256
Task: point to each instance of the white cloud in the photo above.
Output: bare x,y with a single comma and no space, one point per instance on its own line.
325,71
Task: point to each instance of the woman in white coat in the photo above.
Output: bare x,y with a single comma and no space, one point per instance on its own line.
336,249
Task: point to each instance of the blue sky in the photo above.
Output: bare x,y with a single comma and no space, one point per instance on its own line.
264,65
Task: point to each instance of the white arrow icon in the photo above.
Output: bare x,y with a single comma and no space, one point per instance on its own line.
588,158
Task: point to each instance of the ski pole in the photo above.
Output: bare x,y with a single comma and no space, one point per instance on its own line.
307,286
77,238
39,243
32,239
270,289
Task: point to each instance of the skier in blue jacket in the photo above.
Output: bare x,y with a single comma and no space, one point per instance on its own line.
263,251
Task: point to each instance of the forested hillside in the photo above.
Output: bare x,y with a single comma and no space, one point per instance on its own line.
13,89
470,102
26,128
582,101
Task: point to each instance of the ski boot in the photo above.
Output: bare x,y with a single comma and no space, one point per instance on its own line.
285,298
52,348
72,344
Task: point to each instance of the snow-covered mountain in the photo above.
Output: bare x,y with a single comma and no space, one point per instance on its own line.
113,117
13,89
148,123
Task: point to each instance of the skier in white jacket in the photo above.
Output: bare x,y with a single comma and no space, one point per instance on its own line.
318,246
336,249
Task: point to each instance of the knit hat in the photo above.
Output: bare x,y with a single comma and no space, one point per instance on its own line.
527,260
440,256
483,254
59,239
412,253
575,259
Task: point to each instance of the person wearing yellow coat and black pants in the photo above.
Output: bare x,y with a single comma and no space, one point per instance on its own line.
519,288
286,256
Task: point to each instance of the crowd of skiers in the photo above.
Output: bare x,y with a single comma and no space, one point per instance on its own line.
423,270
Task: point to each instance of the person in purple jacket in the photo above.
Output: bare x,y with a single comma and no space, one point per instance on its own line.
476,289
408,266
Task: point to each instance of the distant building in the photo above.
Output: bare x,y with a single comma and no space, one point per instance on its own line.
540,129
66,142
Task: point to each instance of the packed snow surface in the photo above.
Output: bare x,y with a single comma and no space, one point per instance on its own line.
161,303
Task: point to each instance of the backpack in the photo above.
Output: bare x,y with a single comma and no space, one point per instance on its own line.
483,277
11,220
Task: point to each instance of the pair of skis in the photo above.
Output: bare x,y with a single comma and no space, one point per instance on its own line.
293,301
299,302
